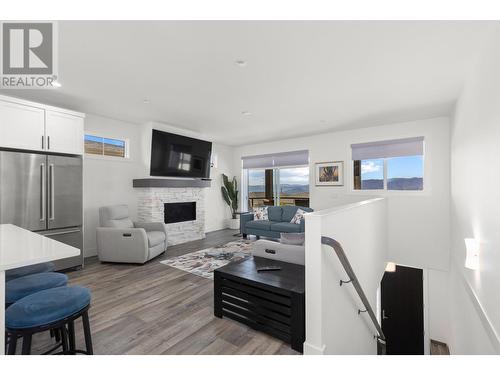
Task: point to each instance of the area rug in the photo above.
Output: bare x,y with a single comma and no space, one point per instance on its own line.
204,262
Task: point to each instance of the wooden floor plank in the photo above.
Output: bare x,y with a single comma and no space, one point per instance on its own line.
156,309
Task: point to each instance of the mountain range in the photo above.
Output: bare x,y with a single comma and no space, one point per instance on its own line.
412,183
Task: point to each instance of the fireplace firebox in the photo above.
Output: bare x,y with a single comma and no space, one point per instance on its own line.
179,211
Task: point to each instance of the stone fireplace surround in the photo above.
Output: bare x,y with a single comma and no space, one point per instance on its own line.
150,207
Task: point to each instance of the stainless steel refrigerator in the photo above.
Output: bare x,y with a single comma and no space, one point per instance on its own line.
43,193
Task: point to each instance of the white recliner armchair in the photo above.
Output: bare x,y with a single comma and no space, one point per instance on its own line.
123,241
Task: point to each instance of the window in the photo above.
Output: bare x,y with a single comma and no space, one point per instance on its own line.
405,173
95,145
278,186
276,179
372,174
256,187
293,186
389,165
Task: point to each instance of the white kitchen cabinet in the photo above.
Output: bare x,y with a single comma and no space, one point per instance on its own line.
64,132
21,126
32,126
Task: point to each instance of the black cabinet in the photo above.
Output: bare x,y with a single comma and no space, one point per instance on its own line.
272,302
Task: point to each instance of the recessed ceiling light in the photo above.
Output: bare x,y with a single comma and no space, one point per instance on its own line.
246,113
56,84
146,101
241,63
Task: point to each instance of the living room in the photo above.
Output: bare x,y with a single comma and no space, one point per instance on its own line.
251,187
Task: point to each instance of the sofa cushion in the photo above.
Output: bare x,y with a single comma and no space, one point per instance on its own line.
121,223
259,224
260,213
274,213
288,213
155,238
285,227
109,213
298,217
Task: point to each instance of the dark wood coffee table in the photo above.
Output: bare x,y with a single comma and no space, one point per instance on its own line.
272,302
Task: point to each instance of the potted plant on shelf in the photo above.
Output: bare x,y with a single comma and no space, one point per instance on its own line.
230,194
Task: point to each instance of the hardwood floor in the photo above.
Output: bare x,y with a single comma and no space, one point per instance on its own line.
156,309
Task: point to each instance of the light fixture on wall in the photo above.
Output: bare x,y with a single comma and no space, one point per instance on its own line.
391,267
472,253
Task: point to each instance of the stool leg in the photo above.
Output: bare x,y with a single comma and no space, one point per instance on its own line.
71,334
26,344
64,340
57,335
86,331
12,344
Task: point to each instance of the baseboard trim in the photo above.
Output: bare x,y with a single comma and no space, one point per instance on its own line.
310,349
483,316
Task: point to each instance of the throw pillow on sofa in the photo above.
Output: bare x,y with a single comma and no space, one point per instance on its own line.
260,213
298,217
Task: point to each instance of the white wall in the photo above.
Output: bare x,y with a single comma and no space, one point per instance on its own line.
108,181
333,325
418,222
216,210
475,154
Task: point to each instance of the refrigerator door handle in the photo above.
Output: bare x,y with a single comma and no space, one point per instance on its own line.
43,201
52,196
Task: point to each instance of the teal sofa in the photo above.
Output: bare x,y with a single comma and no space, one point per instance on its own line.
279,222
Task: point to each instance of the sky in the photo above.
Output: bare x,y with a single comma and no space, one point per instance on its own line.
108,141
293,176
408,166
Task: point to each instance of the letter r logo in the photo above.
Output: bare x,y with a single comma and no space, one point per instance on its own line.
27,48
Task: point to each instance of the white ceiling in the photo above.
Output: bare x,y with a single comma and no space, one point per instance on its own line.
300,77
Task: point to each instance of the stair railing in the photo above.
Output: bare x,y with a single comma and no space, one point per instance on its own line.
337,247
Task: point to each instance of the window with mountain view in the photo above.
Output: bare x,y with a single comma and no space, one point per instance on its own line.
389,165
280,179
96,145
405,173
278,186
372,174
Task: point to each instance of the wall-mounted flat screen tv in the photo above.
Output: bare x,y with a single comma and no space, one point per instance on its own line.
174,155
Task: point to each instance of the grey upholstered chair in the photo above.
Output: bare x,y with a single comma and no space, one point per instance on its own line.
123,241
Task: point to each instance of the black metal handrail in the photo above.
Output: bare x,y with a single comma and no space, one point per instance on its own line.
337,247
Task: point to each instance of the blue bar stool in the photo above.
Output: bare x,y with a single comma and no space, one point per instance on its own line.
28,270
24,286
50,309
